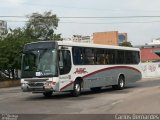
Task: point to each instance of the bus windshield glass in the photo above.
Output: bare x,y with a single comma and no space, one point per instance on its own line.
39,63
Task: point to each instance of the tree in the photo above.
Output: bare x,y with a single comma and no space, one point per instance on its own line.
38,27
126,44
10,51
42,26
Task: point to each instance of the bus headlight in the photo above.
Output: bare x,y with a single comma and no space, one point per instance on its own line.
24,87
49,85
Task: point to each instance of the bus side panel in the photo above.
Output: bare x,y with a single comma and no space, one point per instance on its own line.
97,78
109,76
130,73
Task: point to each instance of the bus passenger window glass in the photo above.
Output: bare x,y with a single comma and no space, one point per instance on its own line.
128,57
77,55
110,57
88,56
136,57
120,57
100,57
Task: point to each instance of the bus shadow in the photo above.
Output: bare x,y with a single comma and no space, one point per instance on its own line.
149,83
88,94
85,95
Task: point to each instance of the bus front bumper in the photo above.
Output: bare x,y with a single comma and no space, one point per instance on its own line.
37,87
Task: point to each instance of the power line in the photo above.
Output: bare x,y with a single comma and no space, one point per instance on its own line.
16,21
89,17
95,22
108,22
96,17
6,16
115,17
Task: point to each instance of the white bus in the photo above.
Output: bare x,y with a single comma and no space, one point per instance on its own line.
49,67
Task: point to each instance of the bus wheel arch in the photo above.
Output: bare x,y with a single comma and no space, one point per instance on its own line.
78,84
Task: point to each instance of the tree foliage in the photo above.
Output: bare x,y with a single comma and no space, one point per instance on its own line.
10,50
42,26
127,44
39,26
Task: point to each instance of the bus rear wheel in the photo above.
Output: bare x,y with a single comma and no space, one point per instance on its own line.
121,83
76,89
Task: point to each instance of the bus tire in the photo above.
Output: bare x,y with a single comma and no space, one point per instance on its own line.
121,83
96,89
48,94
76,89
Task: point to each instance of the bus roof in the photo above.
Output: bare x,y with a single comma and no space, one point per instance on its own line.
91,45
95,45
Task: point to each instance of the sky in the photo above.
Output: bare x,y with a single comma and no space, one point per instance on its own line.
140,30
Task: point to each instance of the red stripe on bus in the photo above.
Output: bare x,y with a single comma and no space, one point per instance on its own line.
110,68
67,85
95,72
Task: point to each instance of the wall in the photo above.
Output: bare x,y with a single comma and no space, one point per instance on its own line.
9,83
150,70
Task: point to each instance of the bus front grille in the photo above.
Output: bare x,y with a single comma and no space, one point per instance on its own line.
36,84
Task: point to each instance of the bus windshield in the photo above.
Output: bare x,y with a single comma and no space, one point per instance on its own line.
39,63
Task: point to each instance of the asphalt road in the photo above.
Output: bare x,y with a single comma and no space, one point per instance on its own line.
140,97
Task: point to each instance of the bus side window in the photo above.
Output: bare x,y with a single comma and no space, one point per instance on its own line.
136,57
128,57
111,56
100,59
88,56
120,57
64,61
77,55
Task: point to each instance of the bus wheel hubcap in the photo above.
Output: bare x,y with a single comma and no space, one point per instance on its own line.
121,83
77,87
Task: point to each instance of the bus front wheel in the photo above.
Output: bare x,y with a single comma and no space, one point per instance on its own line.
76,89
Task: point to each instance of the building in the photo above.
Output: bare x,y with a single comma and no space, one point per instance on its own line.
150,53
105,38
122,37
3,28
109,38
79,38
155,42
67,39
